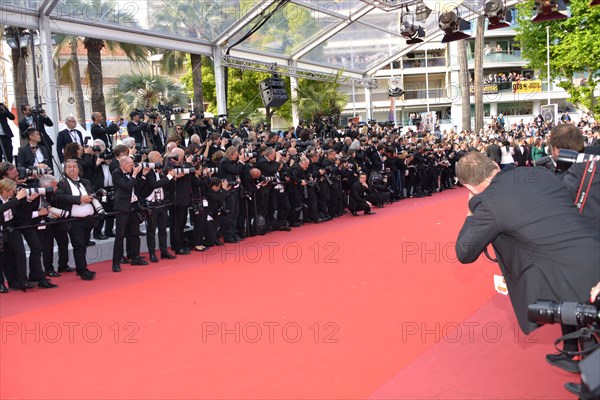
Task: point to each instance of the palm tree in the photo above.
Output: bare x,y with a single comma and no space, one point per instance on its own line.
188,18
318,99
136,53
19,69
94,47
478,73
463,79
70,73
144,91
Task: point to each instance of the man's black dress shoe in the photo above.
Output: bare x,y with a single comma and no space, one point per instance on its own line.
91,243
167,255
65,269
46,284
124,260
219,243
116,267
3,288
182,252
153,258
573,387
52,274
100,237
138,261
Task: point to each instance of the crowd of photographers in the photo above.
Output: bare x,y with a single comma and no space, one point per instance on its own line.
208,182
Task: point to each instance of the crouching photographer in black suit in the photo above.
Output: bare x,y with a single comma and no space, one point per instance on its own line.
75,195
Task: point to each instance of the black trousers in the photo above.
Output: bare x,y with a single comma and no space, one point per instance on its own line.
295,196
128,225
108,222
79,233
310,212
199,222
49,235
229,222
13,261
178,220
8,147
158,219
31,236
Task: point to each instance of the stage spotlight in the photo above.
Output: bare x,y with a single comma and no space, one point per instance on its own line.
422,12
548,10
497,14
452,24
410,31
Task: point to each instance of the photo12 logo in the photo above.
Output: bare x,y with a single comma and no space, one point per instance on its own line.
69,332
269,332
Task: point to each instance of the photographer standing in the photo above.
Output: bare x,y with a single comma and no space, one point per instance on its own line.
180,195
102,181
230,168
66,136
155,197
128,183
105,134
74,195
12,251
137,129
33,154
38,120
6,147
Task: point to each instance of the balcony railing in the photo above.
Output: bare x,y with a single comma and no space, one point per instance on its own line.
422,94
499,57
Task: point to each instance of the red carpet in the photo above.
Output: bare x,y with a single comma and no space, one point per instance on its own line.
327,311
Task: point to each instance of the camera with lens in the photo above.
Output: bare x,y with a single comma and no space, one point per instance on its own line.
185,171
199,115
251,154
196,158
211,170
39,190
283,152
97,205
57,211
222,121
567,313
151,165
106,155
30,172
266,179
222,211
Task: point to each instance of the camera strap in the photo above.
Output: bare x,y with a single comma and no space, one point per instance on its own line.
585,185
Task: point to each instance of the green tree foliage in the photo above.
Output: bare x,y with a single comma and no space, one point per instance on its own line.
574,50
243,99
317,99
144,91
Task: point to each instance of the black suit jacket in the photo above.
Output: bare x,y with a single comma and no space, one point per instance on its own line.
521,157
11,204
358,196
44,122
551,253
64,138
4,117
104,134
124,186
152,183
494,153
137,131
26,158
65,199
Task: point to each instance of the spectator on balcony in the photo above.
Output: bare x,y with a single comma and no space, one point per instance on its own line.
498,48
487,49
